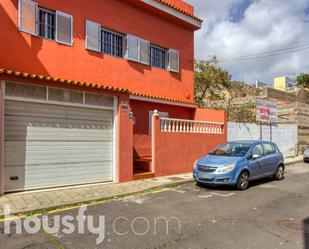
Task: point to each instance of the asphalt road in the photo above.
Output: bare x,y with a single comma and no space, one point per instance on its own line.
268,215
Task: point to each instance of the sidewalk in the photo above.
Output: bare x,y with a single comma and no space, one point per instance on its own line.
59,197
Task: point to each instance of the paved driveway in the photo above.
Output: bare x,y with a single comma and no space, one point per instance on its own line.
268,215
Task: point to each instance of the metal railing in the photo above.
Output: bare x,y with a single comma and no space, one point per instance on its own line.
191,126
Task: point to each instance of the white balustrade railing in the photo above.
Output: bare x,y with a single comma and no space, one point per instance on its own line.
191,126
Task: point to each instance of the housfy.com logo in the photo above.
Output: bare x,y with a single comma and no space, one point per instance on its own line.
83,223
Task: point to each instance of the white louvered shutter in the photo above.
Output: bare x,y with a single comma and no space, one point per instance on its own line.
27,13
173,60
64,28
93,36
144,51
132,48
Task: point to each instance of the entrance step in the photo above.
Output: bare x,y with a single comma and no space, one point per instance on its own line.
142,164
143,175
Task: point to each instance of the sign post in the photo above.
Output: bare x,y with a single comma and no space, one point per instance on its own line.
267,113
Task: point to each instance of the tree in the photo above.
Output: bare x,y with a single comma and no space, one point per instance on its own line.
209,80
303,80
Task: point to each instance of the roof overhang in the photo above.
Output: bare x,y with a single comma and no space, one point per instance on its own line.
162,101
192,20
133,95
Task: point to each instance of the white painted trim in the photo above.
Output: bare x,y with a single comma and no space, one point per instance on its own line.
98,26
20,16
59,13
170,51
174,12
162,101
128,36
2,138
115,144
192,121
140,40
57,103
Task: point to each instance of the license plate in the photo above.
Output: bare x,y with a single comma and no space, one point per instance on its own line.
204,176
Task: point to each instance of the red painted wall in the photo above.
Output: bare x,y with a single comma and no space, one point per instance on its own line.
211,115
141,110
175,152
125,143
26,53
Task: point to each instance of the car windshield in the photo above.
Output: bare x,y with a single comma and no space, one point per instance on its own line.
232,150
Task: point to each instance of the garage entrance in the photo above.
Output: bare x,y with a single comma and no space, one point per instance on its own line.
56,137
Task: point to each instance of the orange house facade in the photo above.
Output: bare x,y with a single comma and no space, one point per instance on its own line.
90,90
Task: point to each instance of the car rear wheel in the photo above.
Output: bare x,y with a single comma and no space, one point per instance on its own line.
279,175
243,181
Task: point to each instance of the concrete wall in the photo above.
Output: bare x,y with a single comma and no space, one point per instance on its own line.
284,135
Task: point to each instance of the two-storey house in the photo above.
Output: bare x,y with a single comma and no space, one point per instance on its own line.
80,81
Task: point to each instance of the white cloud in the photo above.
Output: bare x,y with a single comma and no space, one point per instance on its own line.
266,25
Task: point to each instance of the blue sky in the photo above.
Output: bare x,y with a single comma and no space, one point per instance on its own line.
236,28
237,10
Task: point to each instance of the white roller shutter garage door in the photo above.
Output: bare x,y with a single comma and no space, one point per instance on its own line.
48,145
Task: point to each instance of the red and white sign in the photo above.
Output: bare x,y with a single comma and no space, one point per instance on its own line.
266,111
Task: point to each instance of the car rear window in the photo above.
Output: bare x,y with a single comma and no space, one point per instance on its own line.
269,149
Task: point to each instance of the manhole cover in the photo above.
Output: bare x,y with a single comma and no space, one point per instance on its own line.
294,226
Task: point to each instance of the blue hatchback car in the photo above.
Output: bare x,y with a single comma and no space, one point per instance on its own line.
236,163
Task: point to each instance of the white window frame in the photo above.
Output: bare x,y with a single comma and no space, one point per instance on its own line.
169,61
20,16
115,33
38,22
139,51
56,27
36,33
127,48
166,56
99,36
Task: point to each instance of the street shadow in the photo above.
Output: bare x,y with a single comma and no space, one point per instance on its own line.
252,184
306,233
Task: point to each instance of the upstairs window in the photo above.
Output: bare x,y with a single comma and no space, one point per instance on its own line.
158,57
46,24
112,43
173,60
37,21
138,49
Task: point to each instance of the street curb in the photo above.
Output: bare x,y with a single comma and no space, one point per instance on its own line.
74,205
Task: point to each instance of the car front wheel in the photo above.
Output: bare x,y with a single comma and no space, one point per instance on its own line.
243,181
279,175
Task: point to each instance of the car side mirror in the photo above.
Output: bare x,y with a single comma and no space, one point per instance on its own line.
255,157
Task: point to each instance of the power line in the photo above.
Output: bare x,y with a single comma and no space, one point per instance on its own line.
264,55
